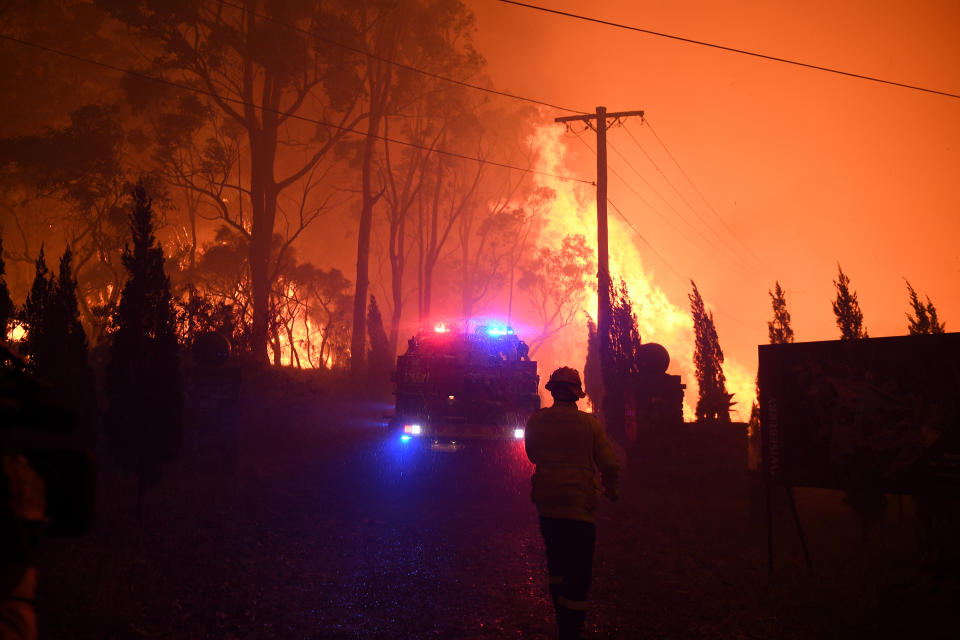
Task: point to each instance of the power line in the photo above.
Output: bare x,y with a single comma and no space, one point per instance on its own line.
672,208
745,52
645,241
662,174
401,65
685,279
689,180
639,195
709,243
293,116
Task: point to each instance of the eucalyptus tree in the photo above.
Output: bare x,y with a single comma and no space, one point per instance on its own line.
409,47
271,69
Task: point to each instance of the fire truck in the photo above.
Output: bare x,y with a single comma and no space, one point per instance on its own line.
458,384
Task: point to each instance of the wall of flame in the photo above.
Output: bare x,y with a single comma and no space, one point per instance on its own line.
659,319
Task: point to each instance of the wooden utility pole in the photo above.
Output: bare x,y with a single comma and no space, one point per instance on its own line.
604,312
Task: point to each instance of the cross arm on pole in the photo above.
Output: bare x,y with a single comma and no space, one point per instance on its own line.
592,116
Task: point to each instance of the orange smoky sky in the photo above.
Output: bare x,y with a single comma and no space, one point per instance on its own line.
802,169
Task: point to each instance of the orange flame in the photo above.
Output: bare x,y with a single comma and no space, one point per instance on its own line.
16,333
659,320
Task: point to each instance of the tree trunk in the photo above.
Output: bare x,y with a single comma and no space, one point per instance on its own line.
397,266
358,340
263,198
433,251
466,277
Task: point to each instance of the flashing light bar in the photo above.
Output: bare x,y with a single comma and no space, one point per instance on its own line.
412,429
518,434
441,327
405,438
499,330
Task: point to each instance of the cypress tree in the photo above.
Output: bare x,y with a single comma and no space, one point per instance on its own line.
924,319
592,375
866,503
622,357
779,328
34,315
71,372
379,356
847,309
144,422
624,334
714,402
57,345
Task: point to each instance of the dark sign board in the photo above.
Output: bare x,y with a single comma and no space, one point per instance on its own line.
879,414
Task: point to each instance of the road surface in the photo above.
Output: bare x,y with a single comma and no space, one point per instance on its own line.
306,520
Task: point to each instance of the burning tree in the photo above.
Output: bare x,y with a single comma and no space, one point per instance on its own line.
144,422
493,241
558,282
257,65
714,402
435,37
73,178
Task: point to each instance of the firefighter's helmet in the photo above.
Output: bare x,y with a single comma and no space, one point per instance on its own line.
566,378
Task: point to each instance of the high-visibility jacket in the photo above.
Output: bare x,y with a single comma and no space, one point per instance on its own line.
568,446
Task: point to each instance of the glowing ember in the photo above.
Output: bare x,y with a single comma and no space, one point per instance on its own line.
16,333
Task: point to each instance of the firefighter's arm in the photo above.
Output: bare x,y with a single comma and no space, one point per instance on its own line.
607,463
531,438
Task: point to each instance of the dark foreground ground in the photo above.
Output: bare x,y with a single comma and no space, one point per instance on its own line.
299,519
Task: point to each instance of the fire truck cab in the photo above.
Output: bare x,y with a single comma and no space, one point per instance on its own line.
459,384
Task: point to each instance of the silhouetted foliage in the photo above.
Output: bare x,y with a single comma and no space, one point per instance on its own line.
70,371
379,357
847,309
779,328
714,402
56,343
624,356
275,70
36,344
592,373
868,505
197,314
76,177
924,319
780,332
6,304
558,281
144,422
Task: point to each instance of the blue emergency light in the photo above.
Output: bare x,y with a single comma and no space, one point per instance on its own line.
499,330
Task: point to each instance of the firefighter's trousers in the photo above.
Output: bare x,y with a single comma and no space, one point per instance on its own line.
570,564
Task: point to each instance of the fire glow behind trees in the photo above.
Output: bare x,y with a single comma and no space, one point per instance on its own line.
750,168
